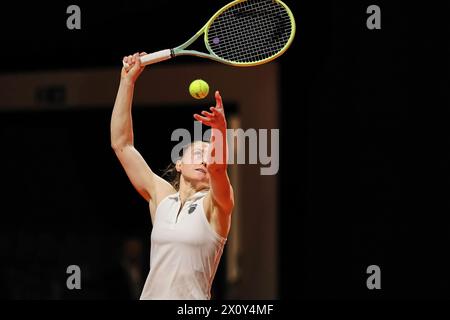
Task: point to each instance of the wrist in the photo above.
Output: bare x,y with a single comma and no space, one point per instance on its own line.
126,82
223,129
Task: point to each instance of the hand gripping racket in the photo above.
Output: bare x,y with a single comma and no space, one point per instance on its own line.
243,33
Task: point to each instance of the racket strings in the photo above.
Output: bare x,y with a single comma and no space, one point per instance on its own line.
250,31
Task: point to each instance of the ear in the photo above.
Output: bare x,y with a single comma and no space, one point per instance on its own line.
178,166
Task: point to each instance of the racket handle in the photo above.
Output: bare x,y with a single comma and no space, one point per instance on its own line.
154,57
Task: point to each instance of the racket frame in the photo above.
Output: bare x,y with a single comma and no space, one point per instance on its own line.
180,50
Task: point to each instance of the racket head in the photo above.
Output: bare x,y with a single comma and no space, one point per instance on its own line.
250,32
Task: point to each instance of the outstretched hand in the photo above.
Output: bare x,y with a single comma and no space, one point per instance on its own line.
217,154
216,118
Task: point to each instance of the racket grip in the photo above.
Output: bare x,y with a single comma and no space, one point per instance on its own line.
156,57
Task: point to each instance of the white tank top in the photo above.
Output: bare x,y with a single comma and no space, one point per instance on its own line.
185,251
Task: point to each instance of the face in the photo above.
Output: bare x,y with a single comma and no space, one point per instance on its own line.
193,164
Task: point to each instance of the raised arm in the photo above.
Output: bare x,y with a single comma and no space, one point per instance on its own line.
219,202
149,185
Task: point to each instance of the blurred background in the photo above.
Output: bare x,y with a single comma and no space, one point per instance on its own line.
364,150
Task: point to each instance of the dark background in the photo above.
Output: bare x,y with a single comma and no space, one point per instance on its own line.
364,172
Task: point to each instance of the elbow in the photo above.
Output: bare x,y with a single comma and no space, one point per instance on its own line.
231,205
231,202
117,146
228,205
231,208
120,139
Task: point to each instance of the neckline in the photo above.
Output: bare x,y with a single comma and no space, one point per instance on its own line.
195,195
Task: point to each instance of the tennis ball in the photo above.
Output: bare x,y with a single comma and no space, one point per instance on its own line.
199,89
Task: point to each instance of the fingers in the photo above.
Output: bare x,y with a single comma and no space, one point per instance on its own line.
136,61
131,60
132,67
199,117
128,59
215,111
207,114
203,120
127,67
128,62
215,117
219,103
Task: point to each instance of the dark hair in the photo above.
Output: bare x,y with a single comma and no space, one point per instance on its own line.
173,176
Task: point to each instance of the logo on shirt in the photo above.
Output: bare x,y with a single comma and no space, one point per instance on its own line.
192,208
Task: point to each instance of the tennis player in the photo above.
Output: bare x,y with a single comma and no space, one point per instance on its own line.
191,217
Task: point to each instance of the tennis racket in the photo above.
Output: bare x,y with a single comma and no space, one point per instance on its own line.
243,33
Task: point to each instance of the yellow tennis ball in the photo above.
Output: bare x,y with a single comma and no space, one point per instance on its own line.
199,89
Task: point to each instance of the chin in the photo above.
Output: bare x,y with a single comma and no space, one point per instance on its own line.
200,181
205,186
204,183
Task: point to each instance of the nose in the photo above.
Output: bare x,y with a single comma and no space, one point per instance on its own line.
204,159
